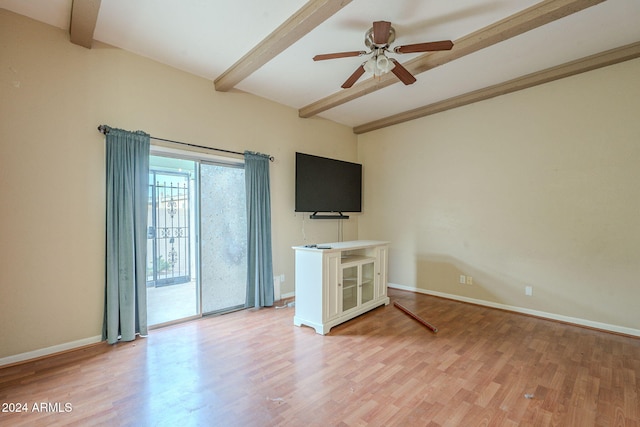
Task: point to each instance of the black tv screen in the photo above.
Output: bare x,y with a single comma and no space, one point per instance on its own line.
327,185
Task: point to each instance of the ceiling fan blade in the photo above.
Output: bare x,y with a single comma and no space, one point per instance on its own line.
402,73
339,55
424,47
354,77
381,32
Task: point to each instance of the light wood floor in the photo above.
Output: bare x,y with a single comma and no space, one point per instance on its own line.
254,368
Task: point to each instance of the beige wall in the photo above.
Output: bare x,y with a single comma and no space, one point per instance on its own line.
538,188
53,95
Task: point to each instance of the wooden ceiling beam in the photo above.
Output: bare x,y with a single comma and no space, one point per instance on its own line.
84,15
533,17
293,29
588,63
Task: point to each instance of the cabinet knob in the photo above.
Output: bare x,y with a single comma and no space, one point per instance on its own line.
339,284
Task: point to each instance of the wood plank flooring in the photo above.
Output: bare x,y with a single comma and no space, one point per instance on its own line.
254,368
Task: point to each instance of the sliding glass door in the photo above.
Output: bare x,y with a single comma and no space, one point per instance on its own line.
196,239
172,290
223,230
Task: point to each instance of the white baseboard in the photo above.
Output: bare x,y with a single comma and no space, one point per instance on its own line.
288,295
552,316
49,350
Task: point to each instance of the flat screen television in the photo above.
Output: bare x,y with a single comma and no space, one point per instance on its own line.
327,185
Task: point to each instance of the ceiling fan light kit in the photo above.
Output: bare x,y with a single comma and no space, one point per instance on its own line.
377,39
378,65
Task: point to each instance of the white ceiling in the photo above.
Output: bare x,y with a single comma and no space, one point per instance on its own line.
207,37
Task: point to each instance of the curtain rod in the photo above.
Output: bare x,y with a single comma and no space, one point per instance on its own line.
105,130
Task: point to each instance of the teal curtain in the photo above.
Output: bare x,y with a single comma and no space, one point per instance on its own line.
259,257
126,251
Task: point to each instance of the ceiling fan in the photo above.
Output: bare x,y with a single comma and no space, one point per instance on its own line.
377,39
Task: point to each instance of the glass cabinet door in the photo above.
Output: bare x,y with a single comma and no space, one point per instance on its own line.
368,282
349,287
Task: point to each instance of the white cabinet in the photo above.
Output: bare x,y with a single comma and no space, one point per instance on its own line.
339,281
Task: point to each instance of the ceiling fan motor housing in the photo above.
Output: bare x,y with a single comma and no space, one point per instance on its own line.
368,39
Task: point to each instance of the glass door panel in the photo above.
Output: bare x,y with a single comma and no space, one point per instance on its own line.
172,292
349,287
223,242
367,282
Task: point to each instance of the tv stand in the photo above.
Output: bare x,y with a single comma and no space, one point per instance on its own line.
339,216
339,282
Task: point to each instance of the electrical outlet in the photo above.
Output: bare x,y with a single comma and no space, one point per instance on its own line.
469,280
282,278
463,279
528,290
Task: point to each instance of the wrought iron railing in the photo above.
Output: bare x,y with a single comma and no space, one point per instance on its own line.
169,249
